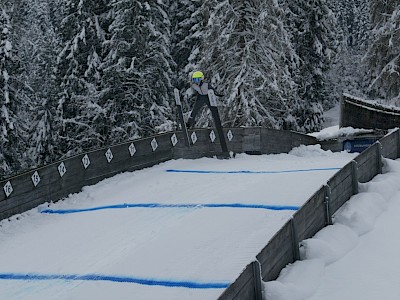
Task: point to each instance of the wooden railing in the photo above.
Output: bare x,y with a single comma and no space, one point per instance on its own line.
314,215
358,113
56,181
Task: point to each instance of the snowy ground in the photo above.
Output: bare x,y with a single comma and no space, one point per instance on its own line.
357,257
154,234
332,116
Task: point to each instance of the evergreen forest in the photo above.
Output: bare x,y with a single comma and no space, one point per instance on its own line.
80,74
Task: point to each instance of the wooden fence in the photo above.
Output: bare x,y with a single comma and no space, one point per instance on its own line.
58,180
315,214
358,113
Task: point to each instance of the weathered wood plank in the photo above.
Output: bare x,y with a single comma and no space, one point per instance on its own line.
240,138
277,254
245,286
361,114
368,156
367,163
302,139
312,216
341,176
279,259
275,141
390,145
340,195
251,140
53,187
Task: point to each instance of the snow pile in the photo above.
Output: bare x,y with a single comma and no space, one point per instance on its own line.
316,153
357,217
329,244
292,283
335,132
360,213
310,151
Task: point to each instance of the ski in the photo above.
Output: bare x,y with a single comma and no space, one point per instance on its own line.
181,118
218,124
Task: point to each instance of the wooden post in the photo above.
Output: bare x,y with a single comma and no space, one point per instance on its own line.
341,111
257,281
379,158
295,240
354,176
328,214
398,143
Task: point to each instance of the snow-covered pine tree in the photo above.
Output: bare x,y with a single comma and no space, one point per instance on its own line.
79,71
340,9
138,68
157,68
187,39
346,74
362,24
12,141
37,46
353,19
315,36
7,135
383,55
249,58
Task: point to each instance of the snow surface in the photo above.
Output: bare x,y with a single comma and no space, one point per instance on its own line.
331,128
356,257
173,238
334,132
332,116
78,255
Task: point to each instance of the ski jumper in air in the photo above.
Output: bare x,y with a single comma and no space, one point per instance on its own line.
205,96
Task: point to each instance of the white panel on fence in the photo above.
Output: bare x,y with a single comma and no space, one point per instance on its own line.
212,136
86,161
154,144
62,169
8,189
109,155
174,140
35,178
132,149
230,135
194,137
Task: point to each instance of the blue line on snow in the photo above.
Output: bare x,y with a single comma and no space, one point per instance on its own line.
96,277
159,205
249,172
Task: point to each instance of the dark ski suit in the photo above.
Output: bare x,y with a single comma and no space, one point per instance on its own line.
202,99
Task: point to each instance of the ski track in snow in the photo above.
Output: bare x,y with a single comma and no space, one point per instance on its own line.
182,244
